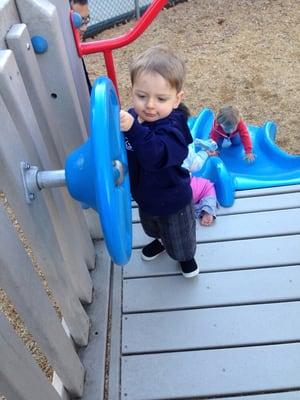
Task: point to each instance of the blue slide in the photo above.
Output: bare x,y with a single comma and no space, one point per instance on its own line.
230,172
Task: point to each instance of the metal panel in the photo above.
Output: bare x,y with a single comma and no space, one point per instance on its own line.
26,382
51,154
211,372
222,256
23,287
42,236
211,328
233,227
212,289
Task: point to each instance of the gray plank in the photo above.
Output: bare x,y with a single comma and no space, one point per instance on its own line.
212,289
28,135
115,339
252,193
75,62
93,355
241,226
8,16
211,328
15,147
51,133
264,203
267,191
43,17
222,256
23,287
249,204
211,372
294,395
20,377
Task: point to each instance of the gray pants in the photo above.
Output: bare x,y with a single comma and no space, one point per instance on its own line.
176,231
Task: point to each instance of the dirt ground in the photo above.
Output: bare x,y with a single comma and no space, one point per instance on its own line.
241,52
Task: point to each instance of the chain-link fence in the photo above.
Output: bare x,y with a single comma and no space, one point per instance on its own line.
107,13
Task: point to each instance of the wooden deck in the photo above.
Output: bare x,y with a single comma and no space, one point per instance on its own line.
231,333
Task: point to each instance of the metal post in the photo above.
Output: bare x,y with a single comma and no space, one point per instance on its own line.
137,9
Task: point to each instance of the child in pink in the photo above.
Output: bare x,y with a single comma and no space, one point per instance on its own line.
204,194
205,200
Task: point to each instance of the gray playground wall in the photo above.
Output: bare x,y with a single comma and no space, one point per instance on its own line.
44,114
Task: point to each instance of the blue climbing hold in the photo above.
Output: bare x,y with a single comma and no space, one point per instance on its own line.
39,44
76,18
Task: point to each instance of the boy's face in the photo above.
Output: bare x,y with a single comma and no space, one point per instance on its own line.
153,97
228,127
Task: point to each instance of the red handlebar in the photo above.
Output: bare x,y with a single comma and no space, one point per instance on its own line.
107,45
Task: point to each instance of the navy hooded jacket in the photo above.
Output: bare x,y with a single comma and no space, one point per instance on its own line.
155,152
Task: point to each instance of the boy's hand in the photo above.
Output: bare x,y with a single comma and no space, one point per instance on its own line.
250,157
126,121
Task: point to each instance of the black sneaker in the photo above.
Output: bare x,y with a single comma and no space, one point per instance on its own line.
189,268
152,250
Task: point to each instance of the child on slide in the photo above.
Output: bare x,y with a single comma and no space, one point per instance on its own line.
204,194
230,127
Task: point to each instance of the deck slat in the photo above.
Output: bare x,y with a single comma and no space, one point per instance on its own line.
295,395
211,328
249,204
237,227
211,372
221,256
267,191
212,289
230,333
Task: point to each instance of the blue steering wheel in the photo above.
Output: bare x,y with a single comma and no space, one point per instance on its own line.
97,172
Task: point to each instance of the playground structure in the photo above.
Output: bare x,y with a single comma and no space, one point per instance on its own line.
230,172
127,312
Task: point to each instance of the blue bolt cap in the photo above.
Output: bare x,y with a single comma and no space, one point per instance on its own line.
39,44
76,19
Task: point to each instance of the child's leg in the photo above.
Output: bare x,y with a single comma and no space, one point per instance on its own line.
178,233
151,228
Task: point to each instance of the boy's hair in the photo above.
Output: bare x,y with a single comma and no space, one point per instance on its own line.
162,60
228,115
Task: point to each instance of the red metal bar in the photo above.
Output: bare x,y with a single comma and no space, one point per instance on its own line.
128,37
107,45
110,68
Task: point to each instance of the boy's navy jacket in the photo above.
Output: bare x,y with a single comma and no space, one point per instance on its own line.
155,152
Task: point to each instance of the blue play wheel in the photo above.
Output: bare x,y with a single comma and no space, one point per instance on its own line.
97,172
